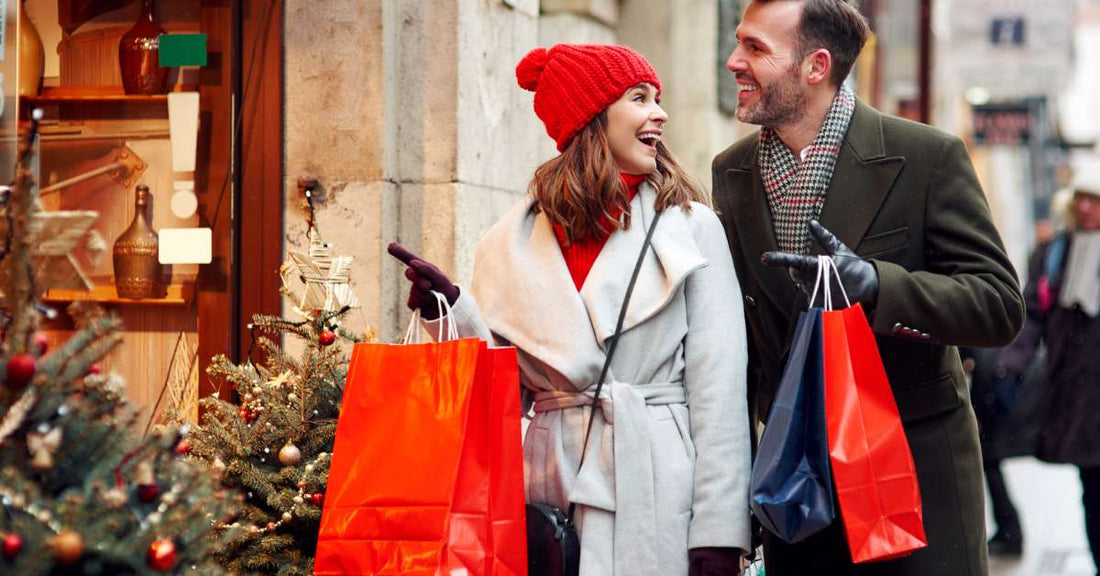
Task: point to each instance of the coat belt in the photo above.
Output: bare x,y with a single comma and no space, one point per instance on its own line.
624,406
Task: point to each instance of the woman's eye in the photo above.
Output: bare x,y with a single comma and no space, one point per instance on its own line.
639,97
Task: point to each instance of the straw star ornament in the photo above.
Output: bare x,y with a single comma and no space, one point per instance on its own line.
54,236
325,279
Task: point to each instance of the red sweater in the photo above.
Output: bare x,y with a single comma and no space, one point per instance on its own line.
580,256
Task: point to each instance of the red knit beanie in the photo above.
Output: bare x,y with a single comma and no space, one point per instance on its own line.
574,83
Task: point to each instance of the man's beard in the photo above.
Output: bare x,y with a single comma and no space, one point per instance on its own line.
783,103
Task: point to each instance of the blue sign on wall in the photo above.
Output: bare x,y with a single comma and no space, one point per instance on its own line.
1008,31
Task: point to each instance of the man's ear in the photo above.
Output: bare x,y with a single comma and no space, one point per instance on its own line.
820,63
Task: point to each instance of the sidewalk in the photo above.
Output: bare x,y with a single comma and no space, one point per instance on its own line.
1049,500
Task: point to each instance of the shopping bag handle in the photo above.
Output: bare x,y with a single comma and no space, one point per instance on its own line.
824,264
412,333
613,343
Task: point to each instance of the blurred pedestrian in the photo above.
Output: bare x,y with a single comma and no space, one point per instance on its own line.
993,425
1063,310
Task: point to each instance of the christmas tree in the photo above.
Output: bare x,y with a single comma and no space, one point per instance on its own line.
80,491
274,445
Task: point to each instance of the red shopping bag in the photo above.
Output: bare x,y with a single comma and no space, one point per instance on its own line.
873,470
426,475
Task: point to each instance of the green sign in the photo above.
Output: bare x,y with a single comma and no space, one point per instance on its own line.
182,50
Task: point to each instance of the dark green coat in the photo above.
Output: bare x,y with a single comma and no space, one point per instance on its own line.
905,196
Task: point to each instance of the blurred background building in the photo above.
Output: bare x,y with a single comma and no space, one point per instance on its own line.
428,140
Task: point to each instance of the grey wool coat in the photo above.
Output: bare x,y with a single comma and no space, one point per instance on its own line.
669,457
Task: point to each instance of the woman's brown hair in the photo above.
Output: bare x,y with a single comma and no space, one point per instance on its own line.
581,188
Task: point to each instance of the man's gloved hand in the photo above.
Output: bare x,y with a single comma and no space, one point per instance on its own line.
714,562
858,276
425,278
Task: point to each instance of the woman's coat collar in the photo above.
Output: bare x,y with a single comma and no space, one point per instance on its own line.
532,302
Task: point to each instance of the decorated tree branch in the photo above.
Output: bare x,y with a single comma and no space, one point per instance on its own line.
273,444
80,491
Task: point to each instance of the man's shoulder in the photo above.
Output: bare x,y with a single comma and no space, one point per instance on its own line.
739,154
907,135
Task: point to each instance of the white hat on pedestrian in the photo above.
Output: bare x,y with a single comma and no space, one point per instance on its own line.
1086,176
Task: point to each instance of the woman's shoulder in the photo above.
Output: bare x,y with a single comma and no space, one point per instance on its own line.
515,220
701,218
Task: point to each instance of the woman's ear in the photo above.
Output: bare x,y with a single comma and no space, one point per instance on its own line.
820,62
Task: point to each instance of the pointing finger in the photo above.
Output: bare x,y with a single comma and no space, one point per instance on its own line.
796,261
398,251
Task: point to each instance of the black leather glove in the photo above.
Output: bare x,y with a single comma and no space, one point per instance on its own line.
714,562
425,278
858,276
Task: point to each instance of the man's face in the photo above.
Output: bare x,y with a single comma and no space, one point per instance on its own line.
769,73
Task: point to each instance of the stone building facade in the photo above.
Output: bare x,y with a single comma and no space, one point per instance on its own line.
408,113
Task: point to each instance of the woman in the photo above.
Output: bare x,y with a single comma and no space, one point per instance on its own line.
660,478
1063,312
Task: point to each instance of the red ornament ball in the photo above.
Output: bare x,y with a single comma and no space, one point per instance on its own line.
41,343
13,545
161,555
183,447
327,337
318,498
94,369
21,370
246,414
147,492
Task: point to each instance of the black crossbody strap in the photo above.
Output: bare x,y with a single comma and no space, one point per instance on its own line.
614,343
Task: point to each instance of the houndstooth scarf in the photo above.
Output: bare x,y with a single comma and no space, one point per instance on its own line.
796,191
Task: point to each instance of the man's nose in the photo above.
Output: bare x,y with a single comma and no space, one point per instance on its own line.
736,63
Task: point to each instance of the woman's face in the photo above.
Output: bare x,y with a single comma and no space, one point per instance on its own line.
634,124
1086,211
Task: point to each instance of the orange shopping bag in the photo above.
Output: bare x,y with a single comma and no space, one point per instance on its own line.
873,469
426,475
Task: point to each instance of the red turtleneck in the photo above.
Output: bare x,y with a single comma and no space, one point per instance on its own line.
580,256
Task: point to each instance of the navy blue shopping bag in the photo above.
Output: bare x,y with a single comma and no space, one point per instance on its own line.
791,484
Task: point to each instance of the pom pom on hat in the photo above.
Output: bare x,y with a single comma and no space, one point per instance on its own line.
529,70
574,83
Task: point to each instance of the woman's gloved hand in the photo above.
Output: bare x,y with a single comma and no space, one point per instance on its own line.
712,561
426,278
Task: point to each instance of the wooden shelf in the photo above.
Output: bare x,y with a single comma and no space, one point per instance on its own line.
177,295
94,94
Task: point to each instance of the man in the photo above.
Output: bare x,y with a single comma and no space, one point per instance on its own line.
902,212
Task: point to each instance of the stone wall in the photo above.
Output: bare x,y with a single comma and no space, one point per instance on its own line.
408,113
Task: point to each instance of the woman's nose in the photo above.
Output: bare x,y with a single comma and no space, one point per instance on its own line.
659,115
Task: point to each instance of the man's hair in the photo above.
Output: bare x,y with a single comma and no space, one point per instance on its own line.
835,25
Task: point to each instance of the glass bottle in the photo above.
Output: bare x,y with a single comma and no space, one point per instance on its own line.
137,268
139,54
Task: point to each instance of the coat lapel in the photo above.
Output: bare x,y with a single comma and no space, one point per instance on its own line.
528,298
755,228
674,255
863,178
524,287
